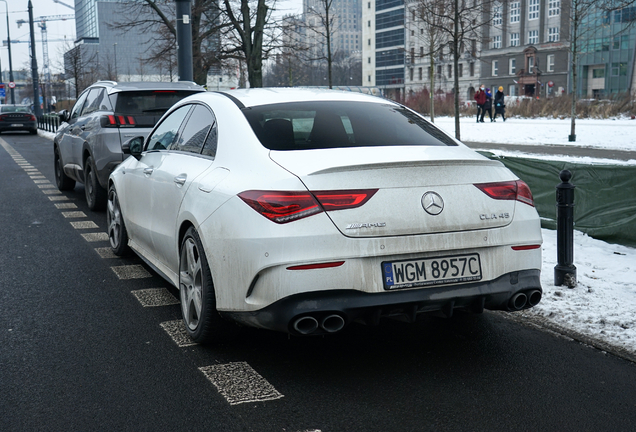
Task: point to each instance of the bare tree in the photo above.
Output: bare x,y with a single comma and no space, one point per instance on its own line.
79,64
460,22
323,30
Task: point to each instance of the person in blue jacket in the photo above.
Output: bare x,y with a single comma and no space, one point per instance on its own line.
487,105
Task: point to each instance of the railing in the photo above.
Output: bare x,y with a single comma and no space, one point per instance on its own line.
49,122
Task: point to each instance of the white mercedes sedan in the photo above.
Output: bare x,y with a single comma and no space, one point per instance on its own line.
303,211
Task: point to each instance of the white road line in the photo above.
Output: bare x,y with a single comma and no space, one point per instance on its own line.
74,214
46,186
84,225
177,332
155,297
135,271
106,253
61,206
52,192
94,237
41,181
58,198
238,383
36,177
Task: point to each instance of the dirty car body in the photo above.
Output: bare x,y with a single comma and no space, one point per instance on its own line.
314,209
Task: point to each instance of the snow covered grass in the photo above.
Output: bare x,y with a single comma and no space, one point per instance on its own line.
616,134
603,304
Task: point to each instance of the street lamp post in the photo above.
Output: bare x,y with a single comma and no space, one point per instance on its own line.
9,43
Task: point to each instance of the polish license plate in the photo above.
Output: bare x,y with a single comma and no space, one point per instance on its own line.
431,271
17,125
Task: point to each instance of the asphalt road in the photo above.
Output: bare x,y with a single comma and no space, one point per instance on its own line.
81,349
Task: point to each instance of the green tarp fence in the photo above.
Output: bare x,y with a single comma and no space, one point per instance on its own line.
604,198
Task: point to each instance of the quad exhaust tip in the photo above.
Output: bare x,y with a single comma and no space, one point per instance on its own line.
332,323
306,325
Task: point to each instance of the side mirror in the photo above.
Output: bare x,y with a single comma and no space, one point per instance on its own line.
64,115
133,147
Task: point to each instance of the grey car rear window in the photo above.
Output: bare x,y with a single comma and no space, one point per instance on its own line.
335,124
147,102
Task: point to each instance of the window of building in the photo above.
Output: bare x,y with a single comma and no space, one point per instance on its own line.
412,55
450,71
419,74
460,70
495,67
512,66
598,73
369,7
439,70
497,20
515,12
496,42
421,51
619,69
411,74
533,9
553,34
369,60
554,7
471,69
369,78
514,39
530,64
621,42
550,63
512,90
533,37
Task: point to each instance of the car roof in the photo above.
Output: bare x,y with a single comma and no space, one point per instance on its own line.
266,96
114,87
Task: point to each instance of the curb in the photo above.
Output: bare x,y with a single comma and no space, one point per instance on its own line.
547,326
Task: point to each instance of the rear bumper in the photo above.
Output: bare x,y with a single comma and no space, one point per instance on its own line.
23,126
368,308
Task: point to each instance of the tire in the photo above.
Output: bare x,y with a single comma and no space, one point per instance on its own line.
62,181
198,303
117,234
95,194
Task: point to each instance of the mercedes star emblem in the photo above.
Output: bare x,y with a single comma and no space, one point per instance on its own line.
432,203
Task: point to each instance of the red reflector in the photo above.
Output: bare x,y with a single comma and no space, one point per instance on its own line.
112,120
512,190
527,247
122,120
131,120
316,266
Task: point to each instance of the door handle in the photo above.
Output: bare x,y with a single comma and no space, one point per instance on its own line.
180,179
148,171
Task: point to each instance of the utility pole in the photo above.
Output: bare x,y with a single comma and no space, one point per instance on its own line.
9,44
34,67
184,41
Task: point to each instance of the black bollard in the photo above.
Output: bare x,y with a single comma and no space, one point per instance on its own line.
565,271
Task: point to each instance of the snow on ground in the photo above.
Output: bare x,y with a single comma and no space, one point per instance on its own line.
616,134
603,303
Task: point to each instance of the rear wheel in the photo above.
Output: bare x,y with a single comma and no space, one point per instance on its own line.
62,181
198,304
95,194
117,233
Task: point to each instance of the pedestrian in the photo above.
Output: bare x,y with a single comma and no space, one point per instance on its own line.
487,106
500,106
480,98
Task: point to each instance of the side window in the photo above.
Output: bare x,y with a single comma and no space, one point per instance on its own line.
209,148
94,100
195,130
166,133
77,108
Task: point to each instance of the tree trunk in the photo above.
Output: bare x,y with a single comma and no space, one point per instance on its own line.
432,77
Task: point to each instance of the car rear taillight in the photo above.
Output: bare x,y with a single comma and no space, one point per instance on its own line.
511,190
287,206
117,121
32,117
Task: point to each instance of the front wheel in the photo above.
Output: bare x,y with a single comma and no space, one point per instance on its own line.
117,233
198,304
95,194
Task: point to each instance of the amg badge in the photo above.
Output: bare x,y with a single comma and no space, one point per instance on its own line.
366,225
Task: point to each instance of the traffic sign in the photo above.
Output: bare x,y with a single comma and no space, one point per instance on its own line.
11,84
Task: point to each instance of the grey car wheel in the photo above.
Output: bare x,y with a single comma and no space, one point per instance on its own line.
117,233
95,194
198,304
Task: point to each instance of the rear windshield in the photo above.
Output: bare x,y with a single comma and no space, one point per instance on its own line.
335,124
13,108
147,102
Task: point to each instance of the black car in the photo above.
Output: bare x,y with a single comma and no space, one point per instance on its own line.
17,118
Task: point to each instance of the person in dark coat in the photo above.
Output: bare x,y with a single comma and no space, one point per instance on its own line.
480,98
487,106
500,106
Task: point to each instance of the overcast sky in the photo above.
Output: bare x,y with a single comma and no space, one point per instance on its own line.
56,31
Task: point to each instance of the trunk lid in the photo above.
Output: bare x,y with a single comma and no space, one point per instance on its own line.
408,179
